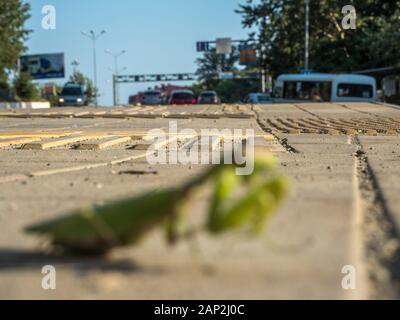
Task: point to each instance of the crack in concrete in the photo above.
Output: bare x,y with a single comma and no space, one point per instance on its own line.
380,238
282,141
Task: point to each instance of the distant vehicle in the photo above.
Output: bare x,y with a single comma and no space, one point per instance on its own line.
72,95
321,87
208,97
152,97
180,97
259,98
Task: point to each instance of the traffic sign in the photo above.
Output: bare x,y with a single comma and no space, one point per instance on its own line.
155,77
248,55
203,46
224,46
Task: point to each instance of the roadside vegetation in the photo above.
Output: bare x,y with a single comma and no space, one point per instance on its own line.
277,27
13,34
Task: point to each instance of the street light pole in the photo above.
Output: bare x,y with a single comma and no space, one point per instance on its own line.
263,26
307,36
116,72
93,36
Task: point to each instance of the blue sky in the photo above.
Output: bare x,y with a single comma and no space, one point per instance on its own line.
158,35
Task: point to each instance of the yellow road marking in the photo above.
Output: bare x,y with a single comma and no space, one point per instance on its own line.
81,114
104,133
15,141
208,115
182,115
52,143
239,115
103,144
148,142
143,115
6,135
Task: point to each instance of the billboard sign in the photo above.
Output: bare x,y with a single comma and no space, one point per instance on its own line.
43,66
224,46
248,55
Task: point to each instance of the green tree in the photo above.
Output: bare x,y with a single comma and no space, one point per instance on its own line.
229,91
280,26
24,89
13,15
78,77
235,90
212,63
208,70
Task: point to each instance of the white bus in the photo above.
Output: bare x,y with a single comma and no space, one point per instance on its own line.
319,87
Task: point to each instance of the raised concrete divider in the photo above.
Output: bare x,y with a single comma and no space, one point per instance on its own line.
25,105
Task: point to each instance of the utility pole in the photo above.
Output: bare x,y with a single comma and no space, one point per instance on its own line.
263,25
307,36
93,36
115,84
116,73
114,89
221,60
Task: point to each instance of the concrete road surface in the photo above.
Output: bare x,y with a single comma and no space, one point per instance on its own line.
338,228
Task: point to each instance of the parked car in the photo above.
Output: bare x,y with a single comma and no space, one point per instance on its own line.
152,97
208,97
259,98
72,95
180,97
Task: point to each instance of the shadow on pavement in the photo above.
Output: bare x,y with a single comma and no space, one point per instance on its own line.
11,259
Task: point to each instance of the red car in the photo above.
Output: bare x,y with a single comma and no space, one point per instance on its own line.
182,97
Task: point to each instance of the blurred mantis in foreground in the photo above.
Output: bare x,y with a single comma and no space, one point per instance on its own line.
237,202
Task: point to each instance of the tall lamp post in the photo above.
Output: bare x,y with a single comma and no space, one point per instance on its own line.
307,36
93,36
263,26
115,55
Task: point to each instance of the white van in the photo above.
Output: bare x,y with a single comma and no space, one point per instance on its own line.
319,87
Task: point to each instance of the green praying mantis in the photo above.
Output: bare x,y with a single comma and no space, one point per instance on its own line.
236,202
